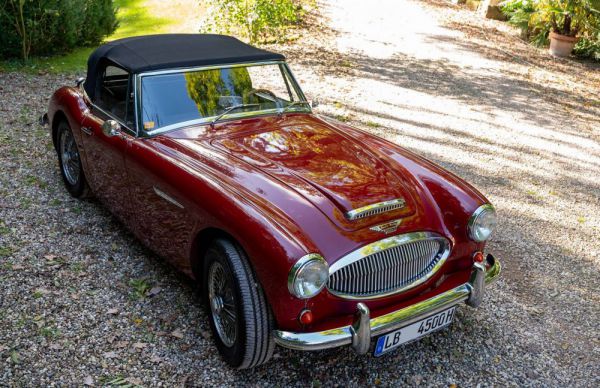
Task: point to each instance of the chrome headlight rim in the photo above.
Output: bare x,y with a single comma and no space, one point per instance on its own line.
296,269
477,214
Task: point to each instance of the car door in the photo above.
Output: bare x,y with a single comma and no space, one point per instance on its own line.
166,219
105,150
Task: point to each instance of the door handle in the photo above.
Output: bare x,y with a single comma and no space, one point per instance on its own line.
86,130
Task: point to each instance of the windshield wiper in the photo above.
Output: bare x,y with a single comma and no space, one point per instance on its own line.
291,104
229,110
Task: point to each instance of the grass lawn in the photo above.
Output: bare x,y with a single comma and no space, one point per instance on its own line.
136,17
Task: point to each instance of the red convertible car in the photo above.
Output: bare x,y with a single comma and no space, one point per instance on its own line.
301,231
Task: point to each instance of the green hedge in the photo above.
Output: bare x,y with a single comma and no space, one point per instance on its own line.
44,27
254,20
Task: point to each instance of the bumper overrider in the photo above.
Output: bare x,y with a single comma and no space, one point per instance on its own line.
360,332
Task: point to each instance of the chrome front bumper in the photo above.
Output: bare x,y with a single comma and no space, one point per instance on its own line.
364,328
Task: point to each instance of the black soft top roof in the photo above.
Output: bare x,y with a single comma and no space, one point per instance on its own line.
170,51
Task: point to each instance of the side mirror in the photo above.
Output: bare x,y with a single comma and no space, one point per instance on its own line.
111,128
315,102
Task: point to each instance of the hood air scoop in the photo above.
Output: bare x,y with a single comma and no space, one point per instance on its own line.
375,208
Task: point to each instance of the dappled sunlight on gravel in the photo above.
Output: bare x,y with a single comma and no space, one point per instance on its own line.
524,130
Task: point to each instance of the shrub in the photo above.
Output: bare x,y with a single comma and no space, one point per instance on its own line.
519,12
537,18
588,48
101,16
254,19
42,27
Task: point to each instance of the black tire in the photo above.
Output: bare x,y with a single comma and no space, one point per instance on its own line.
253,344
77,184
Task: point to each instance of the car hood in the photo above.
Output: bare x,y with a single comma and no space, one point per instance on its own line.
299,166
323,164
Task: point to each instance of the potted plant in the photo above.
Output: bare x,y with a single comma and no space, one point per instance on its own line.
561,21
567,19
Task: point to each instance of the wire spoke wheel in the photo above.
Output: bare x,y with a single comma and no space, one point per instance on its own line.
240,320
69,157
222,303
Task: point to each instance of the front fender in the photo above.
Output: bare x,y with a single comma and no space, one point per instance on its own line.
271,240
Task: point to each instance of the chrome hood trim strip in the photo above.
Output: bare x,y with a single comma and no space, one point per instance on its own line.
376,208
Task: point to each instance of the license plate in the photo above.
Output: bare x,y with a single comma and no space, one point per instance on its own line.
392,340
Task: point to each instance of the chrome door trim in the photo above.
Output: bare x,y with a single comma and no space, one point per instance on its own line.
167,197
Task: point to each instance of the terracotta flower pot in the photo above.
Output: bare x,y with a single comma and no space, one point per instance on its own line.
561,45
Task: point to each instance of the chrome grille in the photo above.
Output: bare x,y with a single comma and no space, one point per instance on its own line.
388,266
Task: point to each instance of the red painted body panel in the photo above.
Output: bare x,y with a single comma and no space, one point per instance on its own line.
279,185
107,176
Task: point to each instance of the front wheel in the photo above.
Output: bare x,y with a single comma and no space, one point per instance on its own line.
69,161
240,318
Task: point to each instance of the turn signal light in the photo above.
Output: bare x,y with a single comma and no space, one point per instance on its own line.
306,317
478,257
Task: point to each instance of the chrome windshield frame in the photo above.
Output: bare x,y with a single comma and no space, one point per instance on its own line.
207,120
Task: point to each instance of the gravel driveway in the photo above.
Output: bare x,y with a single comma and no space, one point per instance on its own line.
426,75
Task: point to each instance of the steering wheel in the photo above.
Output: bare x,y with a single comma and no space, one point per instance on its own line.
253,92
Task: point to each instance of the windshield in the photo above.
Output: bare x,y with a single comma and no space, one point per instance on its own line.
183,98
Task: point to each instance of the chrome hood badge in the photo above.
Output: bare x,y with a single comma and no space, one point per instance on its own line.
387,228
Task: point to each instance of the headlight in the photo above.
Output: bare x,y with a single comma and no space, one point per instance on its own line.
308,276
482,223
